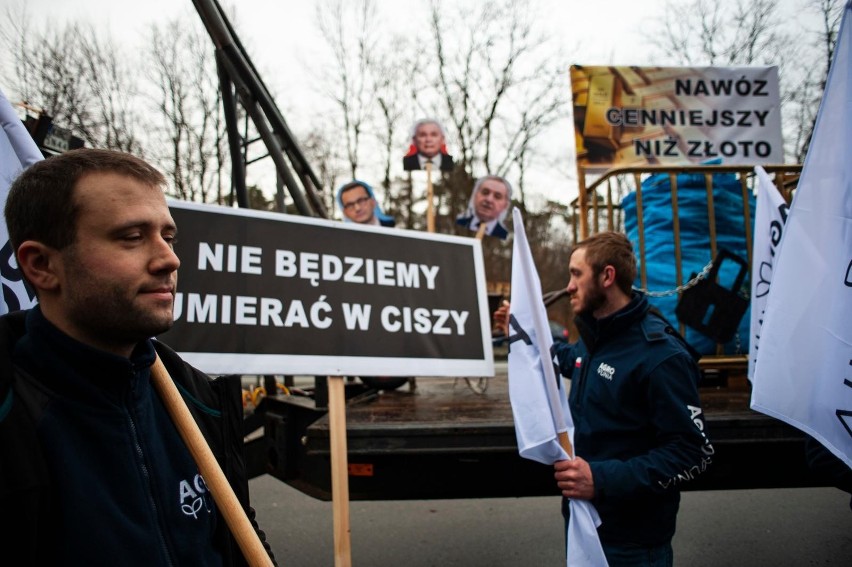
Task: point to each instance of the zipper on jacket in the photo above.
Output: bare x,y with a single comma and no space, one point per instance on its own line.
584,376
146,473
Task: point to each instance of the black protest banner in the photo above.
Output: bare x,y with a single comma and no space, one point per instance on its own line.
266,293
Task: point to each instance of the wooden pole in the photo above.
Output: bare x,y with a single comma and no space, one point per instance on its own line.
584,212
223,494
430,212
339,471
566,443
430,227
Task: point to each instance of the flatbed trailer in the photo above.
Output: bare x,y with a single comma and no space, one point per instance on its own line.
449,439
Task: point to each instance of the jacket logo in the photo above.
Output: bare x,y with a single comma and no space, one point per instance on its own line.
606,371
194,496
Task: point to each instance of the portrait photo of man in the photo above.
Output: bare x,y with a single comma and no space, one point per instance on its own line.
489,204
359,205
428,145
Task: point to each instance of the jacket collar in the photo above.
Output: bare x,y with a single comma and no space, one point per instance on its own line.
66,363
594,330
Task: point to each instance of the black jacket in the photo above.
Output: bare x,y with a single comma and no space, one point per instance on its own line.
637,420
69,413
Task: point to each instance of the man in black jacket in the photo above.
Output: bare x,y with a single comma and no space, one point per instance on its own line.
92,469
639,431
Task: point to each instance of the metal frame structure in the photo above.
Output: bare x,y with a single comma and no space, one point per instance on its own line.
600,210
242,87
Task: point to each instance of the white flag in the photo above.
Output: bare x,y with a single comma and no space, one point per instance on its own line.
769,218
539,406
803,373
17,151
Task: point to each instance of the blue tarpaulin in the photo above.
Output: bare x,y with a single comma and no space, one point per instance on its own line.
694,238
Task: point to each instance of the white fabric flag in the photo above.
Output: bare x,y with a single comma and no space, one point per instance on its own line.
769,218
17,152
803,373
539,406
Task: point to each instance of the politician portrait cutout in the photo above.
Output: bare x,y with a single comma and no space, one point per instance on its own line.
428,144
489,204
359,205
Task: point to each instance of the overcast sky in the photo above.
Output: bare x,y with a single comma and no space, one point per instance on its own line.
281,36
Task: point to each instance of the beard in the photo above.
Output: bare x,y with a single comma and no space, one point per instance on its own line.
112,310
115,317
594,300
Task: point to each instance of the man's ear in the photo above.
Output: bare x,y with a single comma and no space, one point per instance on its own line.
607,276
39,264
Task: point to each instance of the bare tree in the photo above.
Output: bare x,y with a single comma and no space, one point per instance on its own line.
192,138
389,91
502,85
111,91
805,103
322,150
746,32
487,73
830,13
369,84
714,32
350,30
84,82
478,54
538,107
76,76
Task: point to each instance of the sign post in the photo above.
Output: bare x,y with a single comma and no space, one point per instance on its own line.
339,472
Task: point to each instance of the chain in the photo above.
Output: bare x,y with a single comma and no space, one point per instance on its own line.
691,283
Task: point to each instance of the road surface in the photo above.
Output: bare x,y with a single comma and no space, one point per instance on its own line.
750,528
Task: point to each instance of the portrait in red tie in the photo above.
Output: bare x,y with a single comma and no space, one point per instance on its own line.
428,145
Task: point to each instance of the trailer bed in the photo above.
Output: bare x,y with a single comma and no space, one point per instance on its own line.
455,438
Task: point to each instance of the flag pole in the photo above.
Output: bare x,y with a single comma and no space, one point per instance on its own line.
223,494
565,443
538,430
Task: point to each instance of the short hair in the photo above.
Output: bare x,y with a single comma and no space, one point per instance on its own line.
41,206
611,249
423,121
352,185
502,180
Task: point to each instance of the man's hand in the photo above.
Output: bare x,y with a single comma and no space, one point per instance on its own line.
500,319
574,479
